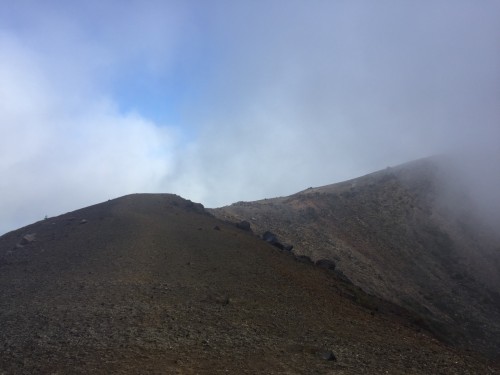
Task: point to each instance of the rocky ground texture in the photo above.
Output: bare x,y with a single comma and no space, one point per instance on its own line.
409,234
153,284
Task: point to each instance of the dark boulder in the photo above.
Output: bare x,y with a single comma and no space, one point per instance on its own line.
28,238
326,263
327,355
273,240
279,245
340,276
245,225
303,259
269,237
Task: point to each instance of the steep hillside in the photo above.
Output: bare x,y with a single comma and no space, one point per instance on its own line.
154,284
409,234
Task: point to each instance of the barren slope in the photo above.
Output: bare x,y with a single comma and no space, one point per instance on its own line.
407,234
147,284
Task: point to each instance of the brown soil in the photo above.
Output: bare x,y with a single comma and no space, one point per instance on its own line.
145,284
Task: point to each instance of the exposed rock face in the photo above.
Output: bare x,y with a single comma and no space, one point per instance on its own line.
326,263
270,237
304,259
408,234
327,355
28,239
191,206
273,240
245,225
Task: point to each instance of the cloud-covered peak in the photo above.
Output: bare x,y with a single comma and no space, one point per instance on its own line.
223,101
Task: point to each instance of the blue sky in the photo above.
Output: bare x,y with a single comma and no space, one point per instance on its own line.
221,101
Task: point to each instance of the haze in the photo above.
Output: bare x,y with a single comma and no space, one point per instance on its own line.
220,101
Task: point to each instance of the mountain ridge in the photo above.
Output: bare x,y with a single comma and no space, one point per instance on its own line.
408,234
152,283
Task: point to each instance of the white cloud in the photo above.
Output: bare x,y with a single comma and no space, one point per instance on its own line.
55,157
270,98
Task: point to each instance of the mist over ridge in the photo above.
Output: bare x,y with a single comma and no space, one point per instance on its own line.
421,235
222,101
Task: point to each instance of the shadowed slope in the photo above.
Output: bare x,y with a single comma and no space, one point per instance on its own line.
408,234
147,284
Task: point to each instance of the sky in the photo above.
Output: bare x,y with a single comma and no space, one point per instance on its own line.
222,101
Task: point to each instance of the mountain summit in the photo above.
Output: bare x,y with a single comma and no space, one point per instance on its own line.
153,283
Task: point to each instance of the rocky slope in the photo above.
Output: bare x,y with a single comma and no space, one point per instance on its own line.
409,234
154,284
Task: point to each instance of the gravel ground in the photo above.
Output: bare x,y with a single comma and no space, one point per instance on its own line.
144,284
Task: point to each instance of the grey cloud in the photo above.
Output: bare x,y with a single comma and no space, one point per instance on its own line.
324,92
274,96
